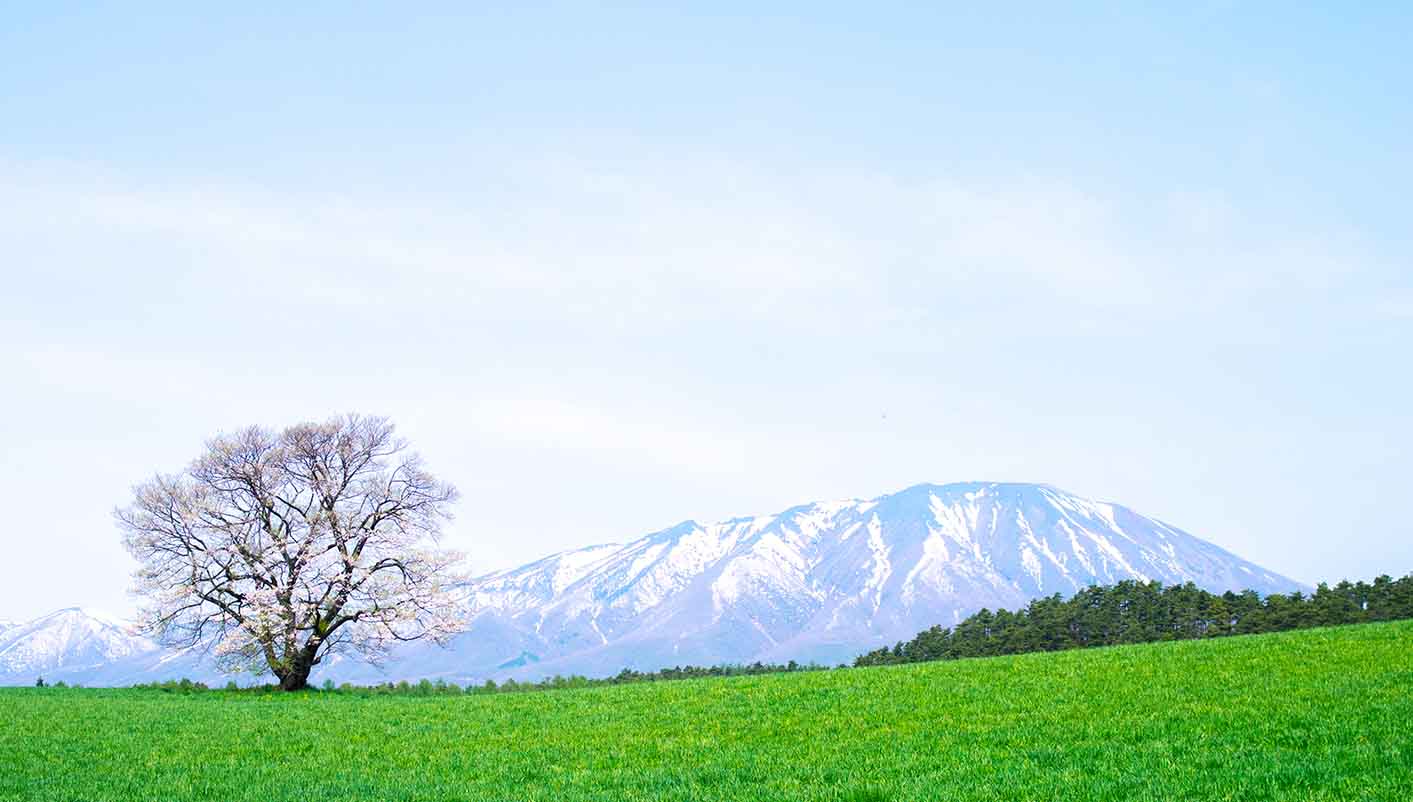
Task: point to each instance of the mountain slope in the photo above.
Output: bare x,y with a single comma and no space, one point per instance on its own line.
70,644
825,581
84,647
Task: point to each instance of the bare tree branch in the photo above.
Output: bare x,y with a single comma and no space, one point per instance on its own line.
276,549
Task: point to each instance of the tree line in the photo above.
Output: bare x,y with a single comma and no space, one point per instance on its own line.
1143,612
441,687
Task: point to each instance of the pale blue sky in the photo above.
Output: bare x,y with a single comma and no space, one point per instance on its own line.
614,269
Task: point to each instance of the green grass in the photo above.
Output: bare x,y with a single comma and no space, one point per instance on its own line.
1311,715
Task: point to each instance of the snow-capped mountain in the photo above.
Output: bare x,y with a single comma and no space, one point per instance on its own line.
86,647
71,644
823,582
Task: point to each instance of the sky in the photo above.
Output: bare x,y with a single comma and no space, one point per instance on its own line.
611,269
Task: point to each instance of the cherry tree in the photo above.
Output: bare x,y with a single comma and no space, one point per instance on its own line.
278,549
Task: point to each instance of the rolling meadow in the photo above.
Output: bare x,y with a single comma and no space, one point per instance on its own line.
1319,714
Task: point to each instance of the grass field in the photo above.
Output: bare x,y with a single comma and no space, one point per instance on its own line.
1310,715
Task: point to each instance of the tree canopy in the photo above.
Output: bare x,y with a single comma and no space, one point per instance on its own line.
278,548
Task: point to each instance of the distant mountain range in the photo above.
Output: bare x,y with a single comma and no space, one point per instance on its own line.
78,645
818,582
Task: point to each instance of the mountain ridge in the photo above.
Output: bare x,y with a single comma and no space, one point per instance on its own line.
822,581
885,572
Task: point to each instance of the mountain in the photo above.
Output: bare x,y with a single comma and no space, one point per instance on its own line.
85,647
818,582
70,644
825,581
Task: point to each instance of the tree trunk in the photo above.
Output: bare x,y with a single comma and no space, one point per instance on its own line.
296,677
295,680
